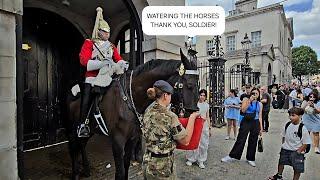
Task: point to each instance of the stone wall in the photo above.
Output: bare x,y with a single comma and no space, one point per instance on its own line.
8,140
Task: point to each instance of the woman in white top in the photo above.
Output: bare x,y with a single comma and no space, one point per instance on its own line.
200,155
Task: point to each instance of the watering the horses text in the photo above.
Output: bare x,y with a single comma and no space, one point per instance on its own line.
183,20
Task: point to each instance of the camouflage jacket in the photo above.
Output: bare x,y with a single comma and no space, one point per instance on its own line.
161,129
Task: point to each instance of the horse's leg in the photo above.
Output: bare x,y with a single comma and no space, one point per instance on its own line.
139,151
118,143
85,161
74,151
130,145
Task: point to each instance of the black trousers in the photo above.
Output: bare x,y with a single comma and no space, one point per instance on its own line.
246,127
86,101
281,103
265,120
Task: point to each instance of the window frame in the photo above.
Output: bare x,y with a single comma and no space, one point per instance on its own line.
256,42
230,46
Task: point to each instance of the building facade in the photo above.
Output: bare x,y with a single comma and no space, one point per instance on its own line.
271,34
39,46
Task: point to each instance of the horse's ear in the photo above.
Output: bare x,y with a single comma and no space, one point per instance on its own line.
184,60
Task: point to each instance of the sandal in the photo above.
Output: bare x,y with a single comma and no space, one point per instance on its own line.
275,177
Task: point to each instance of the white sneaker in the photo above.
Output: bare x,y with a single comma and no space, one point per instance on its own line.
316,150
201,165
189,163
252,163
227,159
227,138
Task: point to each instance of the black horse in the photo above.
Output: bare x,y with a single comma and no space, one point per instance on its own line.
121,105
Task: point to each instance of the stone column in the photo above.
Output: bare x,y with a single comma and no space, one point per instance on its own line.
8,133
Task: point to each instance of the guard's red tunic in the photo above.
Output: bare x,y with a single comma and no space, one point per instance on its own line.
86,53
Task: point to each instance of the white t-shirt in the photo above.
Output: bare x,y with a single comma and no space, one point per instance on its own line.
203,109
292,141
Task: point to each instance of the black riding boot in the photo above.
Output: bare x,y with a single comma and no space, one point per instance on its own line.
86,101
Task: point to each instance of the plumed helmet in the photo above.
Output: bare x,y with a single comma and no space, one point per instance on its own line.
100,24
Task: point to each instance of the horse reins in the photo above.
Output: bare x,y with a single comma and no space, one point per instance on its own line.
139,116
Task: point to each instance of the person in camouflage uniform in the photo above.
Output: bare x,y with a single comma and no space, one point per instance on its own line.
162,130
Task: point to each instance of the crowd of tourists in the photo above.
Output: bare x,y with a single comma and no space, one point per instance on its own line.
249,110
247,114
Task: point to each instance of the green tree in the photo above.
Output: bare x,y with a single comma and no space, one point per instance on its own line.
304,62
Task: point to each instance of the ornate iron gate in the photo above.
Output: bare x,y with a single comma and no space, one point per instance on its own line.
212,78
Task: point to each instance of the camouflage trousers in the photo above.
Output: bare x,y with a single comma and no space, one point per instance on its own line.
159,168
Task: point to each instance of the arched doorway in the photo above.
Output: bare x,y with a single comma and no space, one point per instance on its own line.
269,75
51,64
55,34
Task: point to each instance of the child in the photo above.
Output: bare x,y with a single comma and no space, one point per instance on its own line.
294,145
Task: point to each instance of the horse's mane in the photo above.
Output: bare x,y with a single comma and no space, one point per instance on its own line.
163,65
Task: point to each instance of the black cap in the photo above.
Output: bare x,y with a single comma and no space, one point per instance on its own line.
163,86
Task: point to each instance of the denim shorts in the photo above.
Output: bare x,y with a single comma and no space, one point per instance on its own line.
292,158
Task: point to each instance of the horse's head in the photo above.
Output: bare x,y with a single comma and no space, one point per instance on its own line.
186,85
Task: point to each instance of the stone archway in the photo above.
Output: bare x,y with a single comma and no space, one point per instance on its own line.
51,60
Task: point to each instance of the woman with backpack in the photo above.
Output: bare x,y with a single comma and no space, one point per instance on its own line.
250,123
311,117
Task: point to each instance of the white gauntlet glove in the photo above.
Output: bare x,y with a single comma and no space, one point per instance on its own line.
96,64
123,64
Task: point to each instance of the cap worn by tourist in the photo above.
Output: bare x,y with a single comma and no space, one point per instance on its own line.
163,86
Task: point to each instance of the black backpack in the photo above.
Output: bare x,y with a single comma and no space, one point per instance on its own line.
299,134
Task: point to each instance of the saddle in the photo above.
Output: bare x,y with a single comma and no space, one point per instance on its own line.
99,92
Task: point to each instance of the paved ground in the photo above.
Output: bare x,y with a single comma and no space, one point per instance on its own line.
54,163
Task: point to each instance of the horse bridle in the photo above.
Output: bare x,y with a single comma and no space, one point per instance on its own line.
178,86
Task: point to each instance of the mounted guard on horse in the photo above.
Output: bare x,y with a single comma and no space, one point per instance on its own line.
101,59
125,100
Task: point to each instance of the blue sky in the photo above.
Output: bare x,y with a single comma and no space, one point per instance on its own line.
305,13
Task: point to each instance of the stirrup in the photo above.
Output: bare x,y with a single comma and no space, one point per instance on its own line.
83,130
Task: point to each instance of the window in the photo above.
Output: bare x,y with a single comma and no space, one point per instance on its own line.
127,41
210,47
231,43
256,38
